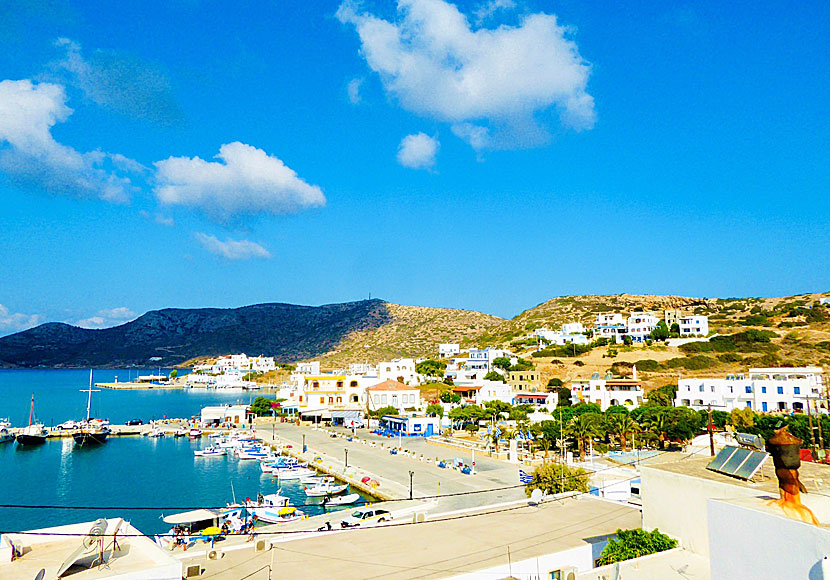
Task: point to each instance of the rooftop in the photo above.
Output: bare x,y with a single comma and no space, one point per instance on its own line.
391,385
138,556
461,543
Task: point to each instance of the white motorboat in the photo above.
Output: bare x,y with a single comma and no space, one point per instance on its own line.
295,473
195,433
341,500
274,508
312,480
155,433
5,435
209,452
326,487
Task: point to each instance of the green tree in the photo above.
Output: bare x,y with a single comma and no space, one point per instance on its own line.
495,376
584,428
581,408
663,396
635,543
450,397
174,373
262,406
660,332
502,363
521,365
742,419
684,424
564,397
656,421
557,478
431,368
617,409
623,426
554,382
435,410
494,409
675,328
388,410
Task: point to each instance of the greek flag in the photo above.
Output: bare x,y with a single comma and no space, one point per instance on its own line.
524,476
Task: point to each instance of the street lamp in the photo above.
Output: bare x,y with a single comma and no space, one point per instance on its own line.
411,473
304,447
347,457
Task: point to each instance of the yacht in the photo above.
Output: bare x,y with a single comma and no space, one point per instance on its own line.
33,434
91,432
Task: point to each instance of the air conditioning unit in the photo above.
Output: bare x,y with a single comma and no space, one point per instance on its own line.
193,571
215,555
261,546
566,573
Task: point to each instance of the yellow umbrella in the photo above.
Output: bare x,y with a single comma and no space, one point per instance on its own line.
211,531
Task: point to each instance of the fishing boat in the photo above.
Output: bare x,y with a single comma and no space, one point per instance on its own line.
293,473
209,452
326,487
312,480
195,433
5,435
179,433
33,434
341,500
90,433
274,509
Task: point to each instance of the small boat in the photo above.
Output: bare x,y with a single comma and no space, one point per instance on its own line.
274,509
5,435
326,487
179,433
195,433
33,434
209,452
90,433
295,473
155,433
342,500
312,480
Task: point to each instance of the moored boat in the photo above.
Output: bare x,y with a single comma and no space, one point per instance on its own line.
195,433
33,434
90,433
341,500
326,487
209,452
5,435
274,509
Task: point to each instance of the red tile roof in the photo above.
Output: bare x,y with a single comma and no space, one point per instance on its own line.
462,389
391,385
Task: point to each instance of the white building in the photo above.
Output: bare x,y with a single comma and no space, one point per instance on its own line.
399,369
762,389
448,349
573,328
563,336
825,300
362,369
395,394
608,391
610,325
694,325
237,415
639,325
308,368
482,359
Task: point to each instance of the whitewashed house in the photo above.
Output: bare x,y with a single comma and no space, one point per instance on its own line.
395,394
573,328
640,324
308,368
762,389
401,370
608,391
694,326
448,350
610,325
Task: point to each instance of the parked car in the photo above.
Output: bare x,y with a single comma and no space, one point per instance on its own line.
366,514
356,424
68,425
135,422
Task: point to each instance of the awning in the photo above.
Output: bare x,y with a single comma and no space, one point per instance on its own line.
321,413
347,414
190,517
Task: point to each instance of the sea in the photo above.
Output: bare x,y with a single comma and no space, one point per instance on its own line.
141,479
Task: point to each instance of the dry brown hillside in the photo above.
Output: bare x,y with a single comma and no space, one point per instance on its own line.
414,331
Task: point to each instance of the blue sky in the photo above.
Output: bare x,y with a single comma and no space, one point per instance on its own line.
481,155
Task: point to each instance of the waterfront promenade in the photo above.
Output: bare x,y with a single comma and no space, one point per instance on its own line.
452,489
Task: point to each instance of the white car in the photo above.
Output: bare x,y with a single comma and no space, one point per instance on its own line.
68,425
364,515
356,424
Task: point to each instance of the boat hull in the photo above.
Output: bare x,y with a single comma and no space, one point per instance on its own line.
31,439
84,438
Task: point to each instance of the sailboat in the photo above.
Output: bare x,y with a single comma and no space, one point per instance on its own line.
32,434
89,434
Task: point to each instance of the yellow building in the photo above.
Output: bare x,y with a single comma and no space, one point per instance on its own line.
524,381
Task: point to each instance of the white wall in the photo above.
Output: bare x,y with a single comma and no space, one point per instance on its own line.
582,558
749,540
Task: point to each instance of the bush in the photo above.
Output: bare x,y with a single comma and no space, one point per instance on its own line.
730,357
554,382
495,376
633,544
557,478
692,363
648,365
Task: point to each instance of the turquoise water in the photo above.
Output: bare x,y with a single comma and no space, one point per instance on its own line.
125,473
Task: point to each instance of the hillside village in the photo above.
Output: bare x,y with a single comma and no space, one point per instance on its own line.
613,360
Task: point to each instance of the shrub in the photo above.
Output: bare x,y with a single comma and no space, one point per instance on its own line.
555,382
558,478
730,357
648,365
495,376
633,544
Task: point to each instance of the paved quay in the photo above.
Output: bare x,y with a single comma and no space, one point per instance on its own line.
451,488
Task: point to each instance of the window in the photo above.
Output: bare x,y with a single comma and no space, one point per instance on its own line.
764,406
780,390
339,384
353,384
316,385
797,390
322,400
301,398
700,388
331,400
749,404
748,389
763,389
339,399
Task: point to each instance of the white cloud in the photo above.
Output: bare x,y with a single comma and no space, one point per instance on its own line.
418,151
107,318
488,9
11,322
245,181
501,79
122,83
353,90
34,159
165,220
232,249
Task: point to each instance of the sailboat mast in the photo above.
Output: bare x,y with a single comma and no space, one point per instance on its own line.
89,397
32,410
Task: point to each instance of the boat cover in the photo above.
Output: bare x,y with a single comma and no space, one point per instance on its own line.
190,517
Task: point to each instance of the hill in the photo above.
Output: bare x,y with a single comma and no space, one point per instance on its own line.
171,336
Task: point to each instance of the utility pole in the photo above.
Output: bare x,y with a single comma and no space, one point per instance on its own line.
812,433
711,435
411,473
347,458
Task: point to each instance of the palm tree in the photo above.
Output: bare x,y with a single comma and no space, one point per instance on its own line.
583,428
657,423
622,426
